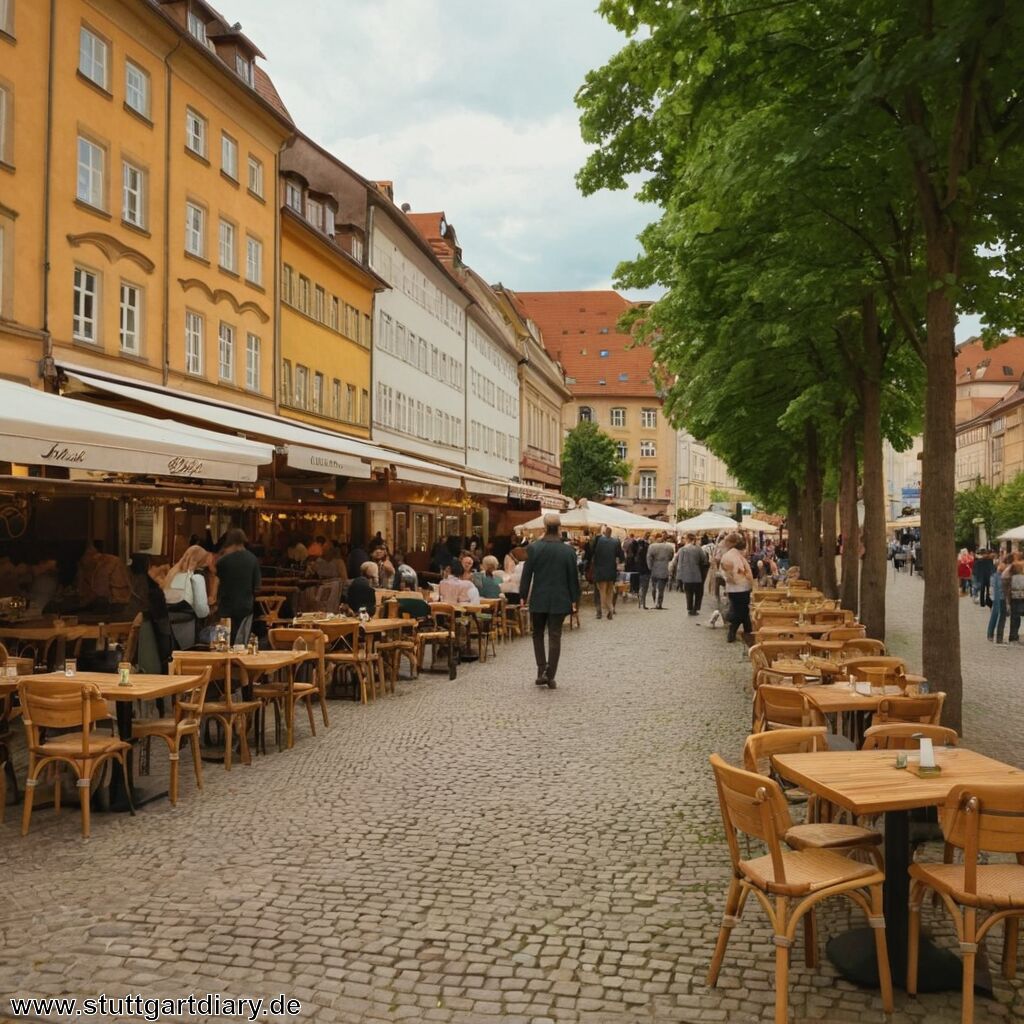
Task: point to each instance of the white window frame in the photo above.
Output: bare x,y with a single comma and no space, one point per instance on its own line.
253,347
195,329
197,29
293,197
196,129
85,327
648,450
253,260
301,396
255,176
244,70
3,278
130,189
130,333
94,57
618,416
139,91
90,189
7,17
336,399
6,119
622,450
315,213
229,155
647,488
226,352
648,419
195,229
227,249
318,392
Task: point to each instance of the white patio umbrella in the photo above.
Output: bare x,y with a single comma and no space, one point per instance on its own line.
758,525
1017,533
706,521
592,515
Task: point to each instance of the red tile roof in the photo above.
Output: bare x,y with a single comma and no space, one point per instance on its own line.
429,227
265,87
579,330
974,362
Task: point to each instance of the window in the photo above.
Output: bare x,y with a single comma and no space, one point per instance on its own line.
193,343
350,403
252,362
648,485
648,418
92,57
253,260
86,298
227,245
301,386
621,449
618,417
136,88
244,68
197,29
287,278
303,294
364,408
229,156
226,352
7,16
647,450
336,399
319,299
131,319
357,248
315,213
586,414
255,177
195,229
318,392
293,196
195,132
90,173
3,278
335,313
286,381
6,117
133,197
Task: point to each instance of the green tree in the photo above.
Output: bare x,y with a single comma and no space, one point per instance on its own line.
718,495
979,502
1010,505
590,462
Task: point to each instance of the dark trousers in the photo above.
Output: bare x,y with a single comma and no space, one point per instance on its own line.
694,596
658,589
552,623
1016,612
739,613
984,592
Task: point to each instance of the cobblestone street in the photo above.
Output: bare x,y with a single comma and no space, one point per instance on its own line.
465,851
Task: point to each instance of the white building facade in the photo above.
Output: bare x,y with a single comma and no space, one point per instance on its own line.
419,359
699,472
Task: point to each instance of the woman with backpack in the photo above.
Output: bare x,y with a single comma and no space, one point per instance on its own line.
188,599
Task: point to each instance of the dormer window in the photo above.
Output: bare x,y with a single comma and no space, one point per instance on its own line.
293,196
244,68
315,214
197,29
357,248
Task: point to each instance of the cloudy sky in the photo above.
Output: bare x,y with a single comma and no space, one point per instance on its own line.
467,105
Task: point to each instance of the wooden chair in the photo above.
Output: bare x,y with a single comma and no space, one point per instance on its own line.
183,723
784,707
70,705
903,736
846,633
269,608
484,628
758,752
789,884
409,646
234,716
440,634
6,766
285,694
923,710
976,818
350,654
896,668
864,647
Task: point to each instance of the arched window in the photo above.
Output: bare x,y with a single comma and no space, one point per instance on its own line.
586,414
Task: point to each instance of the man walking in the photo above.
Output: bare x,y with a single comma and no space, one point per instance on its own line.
659,554
605,561
691,568
551,586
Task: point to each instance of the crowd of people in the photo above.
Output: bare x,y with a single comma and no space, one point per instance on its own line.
994,580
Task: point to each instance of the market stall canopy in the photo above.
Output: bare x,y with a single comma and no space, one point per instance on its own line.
706,521
1017,533
758,525
40,429
906,523
592,515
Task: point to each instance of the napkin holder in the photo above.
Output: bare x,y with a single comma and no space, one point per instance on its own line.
926,765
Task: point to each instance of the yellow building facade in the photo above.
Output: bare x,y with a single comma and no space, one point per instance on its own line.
159,209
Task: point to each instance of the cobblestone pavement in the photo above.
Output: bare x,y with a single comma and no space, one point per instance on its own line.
468,851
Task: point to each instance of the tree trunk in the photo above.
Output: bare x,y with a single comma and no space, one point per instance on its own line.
940,632
810,513
849,527
794,525
872,582
829,510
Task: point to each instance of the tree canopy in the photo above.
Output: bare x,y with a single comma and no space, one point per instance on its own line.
590,462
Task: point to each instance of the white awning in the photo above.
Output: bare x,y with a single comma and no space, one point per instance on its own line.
489,488
41,429
305,446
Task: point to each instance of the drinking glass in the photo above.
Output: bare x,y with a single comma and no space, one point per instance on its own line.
70,667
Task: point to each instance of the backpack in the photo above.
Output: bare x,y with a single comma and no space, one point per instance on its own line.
177,594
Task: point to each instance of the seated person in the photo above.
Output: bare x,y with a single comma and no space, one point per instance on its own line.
361,595
488,580
458,588
385,568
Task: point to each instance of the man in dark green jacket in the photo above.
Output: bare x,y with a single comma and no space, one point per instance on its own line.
551,586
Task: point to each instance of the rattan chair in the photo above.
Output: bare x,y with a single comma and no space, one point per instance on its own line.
70,705
784,707
846,632
976,818
787,884
923,710
904,736
350,654
285,694
863,647
758,752
181,724
440,634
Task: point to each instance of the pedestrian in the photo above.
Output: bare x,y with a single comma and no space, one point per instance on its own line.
964,569
739,581
643,573
997,617
238,575
659,554
1013,580
691,568
551,585
984,567
605,560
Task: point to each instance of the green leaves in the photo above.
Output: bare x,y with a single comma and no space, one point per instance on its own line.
590,462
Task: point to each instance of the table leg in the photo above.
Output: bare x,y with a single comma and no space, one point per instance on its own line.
120,785
853,952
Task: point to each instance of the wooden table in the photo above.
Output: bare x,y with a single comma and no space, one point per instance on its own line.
142,687
373,630
867,782
51,638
